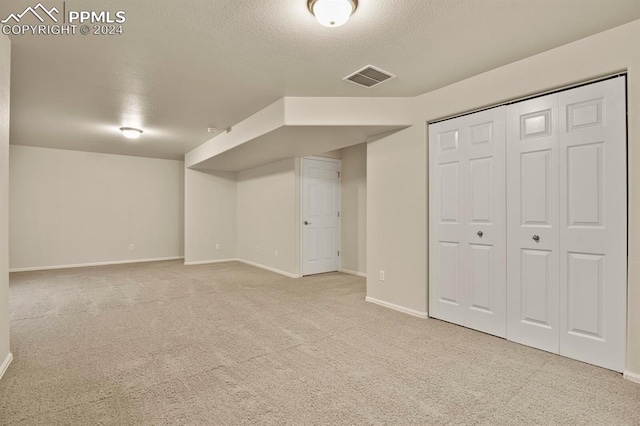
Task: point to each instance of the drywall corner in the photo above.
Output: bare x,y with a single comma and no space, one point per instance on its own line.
396,205
268,223
260,123
5,84
210,216
353,217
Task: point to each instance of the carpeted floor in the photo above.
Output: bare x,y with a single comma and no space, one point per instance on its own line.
161,343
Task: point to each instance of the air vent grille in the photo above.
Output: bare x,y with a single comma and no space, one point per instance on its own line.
369,76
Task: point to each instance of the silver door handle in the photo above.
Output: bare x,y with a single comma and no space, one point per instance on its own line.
480,234
307,223
536,238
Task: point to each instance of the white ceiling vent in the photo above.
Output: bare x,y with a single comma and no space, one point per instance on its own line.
369,76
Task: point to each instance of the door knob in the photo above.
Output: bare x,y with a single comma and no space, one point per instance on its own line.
536,238
307,223
480,234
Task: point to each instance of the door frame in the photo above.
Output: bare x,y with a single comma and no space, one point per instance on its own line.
300,209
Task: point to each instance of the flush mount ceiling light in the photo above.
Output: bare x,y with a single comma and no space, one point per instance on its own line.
332,13
131,132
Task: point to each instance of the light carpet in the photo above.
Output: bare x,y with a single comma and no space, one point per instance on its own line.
161,343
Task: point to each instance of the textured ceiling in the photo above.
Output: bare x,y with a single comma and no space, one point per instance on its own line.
182,66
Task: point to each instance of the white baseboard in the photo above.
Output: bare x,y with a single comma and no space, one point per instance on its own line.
208,262
268,268
359,274
633,377
5,364
85,265
398,308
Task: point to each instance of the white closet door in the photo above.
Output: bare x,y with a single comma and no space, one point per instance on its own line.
593,224
532,223
467,217
447,257
485,222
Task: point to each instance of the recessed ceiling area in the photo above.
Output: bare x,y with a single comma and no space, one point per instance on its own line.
177,70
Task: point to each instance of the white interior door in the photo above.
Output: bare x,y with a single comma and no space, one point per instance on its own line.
320,215
467,283
532,223
593,224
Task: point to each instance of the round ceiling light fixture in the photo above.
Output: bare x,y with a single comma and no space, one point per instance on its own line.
131,132
332,13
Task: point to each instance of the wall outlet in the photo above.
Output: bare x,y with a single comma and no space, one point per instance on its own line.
218,246
257,249
382,276
277,253
131,246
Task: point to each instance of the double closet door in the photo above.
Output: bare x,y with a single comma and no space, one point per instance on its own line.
528,222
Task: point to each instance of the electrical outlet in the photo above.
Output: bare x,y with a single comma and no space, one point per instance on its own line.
218,246
277,253
257,249
382,276
131,246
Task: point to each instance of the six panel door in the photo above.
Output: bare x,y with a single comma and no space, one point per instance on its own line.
532,223
593,224
320,231
468,209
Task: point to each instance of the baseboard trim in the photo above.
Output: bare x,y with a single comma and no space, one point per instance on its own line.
399,308
268,268
5,364
209,262
359,274
86,265
632,377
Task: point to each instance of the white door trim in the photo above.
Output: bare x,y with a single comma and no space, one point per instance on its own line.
300,207
536,95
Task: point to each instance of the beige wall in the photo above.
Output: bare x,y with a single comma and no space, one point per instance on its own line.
5,71
397,206
268,211
353,226
74,208
210,216
396,220
335,154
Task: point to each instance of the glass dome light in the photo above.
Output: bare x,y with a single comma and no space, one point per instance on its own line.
332,13
130,132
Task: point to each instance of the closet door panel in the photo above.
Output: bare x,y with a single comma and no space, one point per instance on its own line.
532,223
593,224
467,276
486,222
447,205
